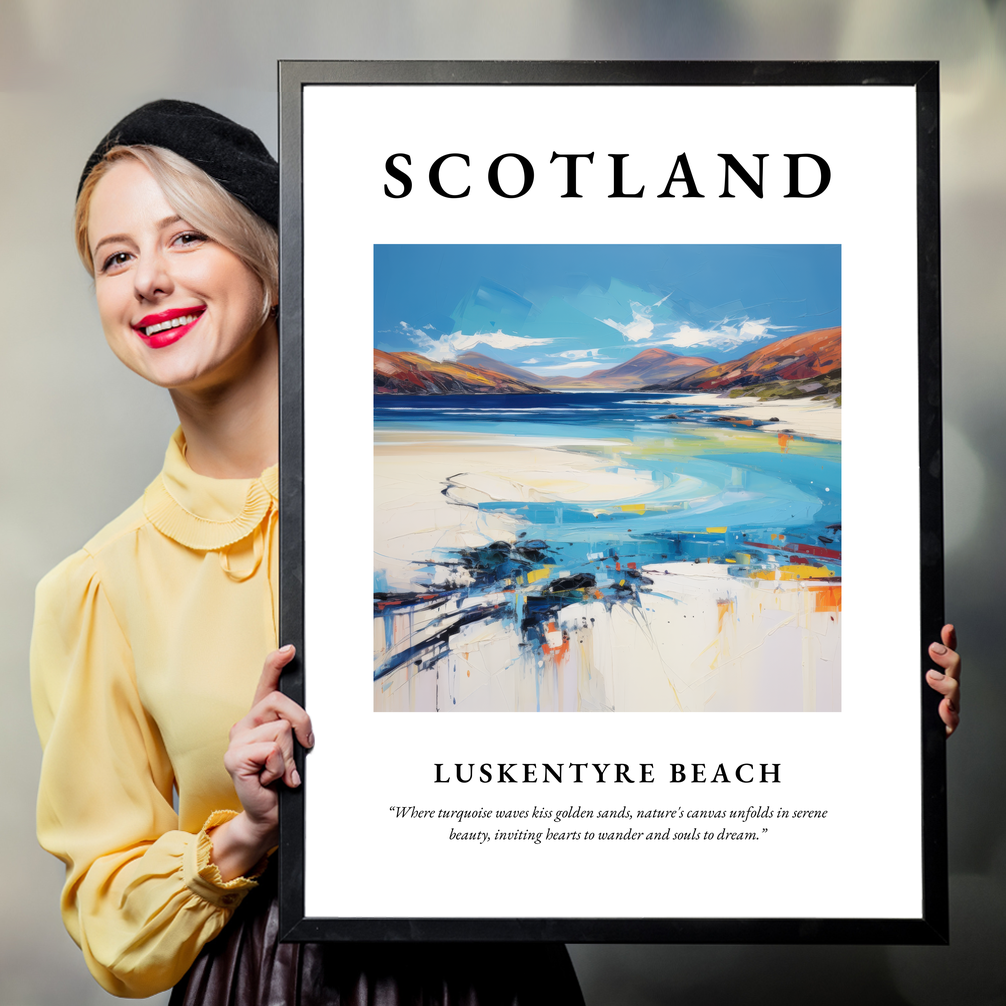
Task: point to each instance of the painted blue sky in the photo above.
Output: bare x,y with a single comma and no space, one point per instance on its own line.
572,309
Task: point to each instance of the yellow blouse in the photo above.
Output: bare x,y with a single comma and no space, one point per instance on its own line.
147,647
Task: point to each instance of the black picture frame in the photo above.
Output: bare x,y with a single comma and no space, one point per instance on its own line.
932,927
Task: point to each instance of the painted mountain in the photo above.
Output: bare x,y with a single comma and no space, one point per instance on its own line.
482,362
412,374
651,365
811,361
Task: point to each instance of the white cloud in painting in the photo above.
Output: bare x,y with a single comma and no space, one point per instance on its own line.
446,347
439,350
642,324
724,334
497,340
727,334
528,363
581,354
646,326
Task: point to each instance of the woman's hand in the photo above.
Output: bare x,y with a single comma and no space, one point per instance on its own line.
260,753
948,681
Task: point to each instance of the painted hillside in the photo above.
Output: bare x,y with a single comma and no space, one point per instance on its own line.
799,358
413,374
651,365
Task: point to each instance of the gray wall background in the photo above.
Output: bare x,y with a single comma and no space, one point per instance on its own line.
82,436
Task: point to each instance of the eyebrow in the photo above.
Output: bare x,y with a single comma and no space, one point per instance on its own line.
160,225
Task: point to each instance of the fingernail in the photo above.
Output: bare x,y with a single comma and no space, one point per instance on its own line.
936,676
310,740
295,777
938,648
287,649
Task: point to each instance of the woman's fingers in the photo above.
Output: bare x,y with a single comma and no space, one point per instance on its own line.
947,686
274,766
948,659
277,706
947,681
271,671
950,716
279,736
261,749
270,703
949,636
950,690
258,760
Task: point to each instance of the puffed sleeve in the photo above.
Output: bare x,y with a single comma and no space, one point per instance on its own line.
141,898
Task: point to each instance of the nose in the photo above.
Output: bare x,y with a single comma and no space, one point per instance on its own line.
152,277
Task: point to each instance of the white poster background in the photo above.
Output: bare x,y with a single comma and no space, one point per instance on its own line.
862,764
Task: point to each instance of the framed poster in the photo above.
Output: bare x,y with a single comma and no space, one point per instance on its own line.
612,586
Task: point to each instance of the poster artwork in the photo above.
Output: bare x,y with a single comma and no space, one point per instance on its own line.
629,329
607,477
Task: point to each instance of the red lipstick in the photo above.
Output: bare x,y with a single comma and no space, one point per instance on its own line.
166,327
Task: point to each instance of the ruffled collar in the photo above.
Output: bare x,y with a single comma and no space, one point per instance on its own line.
203,513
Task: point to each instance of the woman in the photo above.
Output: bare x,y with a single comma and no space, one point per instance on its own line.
148,643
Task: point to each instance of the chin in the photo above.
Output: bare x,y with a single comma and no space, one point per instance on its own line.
170,374
176,382
191,364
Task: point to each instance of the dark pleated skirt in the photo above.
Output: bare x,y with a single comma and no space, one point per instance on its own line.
246,965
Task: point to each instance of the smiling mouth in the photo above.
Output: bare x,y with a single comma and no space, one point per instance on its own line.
185,319
167,321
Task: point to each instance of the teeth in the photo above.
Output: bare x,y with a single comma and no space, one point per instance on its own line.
174,323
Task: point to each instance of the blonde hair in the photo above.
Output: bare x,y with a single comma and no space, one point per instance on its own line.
199,200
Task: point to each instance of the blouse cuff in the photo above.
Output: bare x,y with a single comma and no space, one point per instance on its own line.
202,876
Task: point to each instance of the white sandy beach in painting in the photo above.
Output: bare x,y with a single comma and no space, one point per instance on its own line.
802,416
698,639
427,488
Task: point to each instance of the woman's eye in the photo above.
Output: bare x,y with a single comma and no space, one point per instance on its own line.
114,261
190,238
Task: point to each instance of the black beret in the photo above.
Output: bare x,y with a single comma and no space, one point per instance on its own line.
231,154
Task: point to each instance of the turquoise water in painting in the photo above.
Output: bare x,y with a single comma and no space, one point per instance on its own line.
708,489
722,490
